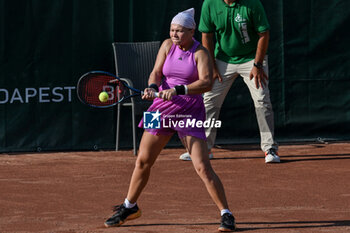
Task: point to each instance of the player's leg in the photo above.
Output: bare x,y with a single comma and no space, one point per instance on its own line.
263,110
201,163
198,150
150,147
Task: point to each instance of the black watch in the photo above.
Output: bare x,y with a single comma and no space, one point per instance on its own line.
258,65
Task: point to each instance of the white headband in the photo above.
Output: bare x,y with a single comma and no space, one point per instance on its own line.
185,19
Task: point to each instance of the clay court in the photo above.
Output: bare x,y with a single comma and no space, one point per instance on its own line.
74,192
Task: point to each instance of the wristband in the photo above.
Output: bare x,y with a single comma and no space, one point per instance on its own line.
180,90
186,89
258,65
154,86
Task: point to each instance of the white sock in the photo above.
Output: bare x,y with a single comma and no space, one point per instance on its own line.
128,205
224,211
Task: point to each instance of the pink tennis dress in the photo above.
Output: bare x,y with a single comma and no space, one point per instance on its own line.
182,113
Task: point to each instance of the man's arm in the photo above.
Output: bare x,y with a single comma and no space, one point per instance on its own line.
257,71
263,44
208,43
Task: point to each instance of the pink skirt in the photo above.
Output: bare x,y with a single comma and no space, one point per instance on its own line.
183,114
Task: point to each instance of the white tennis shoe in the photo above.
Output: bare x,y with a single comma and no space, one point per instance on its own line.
271,156
186,156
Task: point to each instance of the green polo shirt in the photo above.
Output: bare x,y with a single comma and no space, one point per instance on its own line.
235,27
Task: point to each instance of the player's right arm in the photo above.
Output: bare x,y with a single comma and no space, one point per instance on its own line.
157,73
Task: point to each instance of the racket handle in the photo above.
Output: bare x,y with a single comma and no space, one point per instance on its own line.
156,94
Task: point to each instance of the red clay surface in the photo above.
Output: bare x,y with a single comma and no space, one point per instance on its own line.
74,192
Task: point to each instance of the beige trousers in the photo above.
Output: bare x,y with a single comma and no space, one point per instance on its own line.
214,99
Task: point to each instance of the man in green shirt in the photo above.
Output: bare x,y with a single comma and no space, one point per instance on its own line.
242,37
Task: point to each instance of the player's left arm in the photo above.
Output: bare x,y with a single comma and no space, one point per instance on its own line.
205,72
257,71
205,76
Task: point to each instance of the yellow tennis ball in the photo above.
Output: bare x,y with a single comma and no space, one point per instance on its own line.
103,97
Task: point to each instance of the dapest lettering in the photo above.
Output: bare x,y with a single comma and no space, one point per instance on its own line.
41,94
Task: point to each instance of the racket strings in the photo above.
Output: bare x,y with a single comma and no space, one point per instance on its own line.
94,85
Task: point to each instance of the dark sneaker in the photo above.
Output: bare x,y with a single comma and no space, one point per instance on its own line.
271,156
122,214
227,223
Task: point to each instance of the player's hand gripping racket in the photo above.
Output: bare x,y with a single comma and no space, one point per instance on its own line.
91,84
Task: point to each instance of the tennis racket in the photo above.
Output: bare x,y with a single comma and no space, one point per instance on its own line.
91,84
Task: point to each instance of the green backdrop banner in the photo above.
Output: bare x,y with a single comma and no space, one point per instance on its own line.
45,46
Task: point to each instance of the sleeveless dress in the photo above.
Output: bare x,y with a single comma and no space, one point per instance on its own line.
179,68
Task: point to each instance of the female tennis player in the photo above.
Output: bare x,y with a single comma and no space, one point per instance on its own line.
187,69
